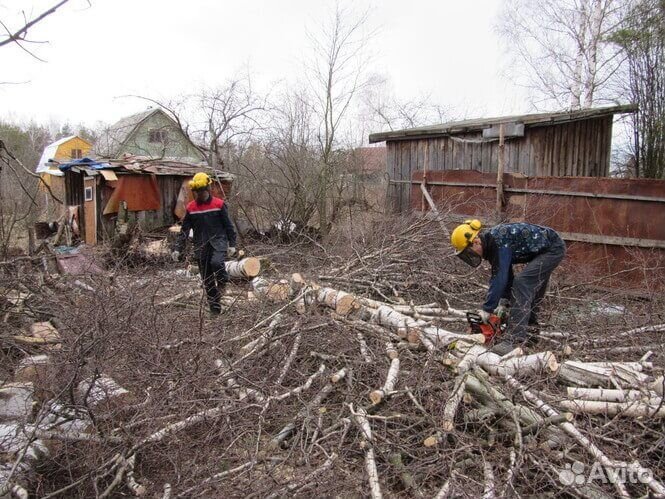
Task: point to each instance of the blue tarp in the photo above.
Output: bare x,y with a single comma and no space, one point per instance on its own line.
89,163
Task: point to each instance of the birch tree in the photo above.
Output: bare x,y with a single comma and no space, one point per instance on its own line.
642,39
560,49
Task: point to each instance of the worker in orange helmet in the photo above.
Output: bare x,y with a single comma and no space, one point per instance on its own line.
540,248
214,238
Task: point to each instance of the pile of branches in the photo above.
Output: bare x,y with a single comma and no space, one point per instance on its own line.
354,376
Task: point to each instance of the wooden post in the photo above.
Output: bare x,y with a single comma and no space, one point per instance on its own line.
499,177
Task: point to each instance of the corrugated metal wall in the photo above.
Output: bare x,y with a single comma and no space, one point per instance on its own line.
580,148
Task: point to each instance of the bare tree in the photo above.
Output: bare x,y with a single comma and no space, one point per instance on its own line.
642,38
337,73
216,118
560,49
19,36
385,111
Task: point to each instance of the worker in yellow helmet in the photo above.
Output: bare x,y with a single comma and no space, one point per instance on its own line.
540,248
214,238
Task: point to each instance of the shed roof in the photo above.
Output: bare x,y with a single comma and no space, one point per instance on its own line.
141,165
478,124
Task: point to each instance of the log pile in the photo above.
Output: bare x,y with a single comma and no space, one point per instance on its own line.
353,377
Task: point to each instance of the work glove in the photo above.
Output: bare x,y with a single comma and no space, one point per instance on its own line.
175,256
231,251
484,316
502,310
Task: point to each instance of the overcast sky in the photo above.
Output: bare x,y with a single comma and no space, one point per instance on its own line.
98,53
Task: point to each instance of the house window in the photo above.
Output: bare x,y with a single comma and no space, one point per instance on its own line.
77,154
157,136
88,193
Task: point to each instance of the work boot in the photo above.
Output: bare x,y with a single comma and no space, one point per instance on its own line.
503,347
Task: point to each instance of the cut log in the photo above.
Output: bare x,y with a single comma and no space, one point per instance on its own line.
103,391
389,386
588,374
271,290
247,267
403,324
41,334
609,395
450,409
16,401
634,409
571,430
370,460
32,369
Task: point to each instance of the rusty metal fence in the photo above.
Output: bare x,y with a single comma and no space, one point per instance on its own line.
614,228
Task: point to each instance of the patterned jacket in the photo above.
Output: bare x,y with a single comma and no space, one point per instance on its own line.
506,244
211,224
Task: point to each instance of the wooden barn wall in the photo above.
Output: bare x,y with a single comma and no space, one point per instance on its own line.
614,228
580,148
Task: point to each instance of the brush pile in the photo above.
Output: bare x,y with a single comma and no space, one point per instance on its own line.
336,372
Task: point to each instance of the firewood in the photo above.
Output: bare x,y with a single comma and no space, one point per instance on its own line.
633,408
32,369
247,267
610,395
272,290
571,430
103,391
16,401
377,396
360,418
450,409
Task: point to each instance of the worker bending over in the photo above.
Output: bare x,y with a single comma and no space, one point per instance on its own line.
214,238
540,248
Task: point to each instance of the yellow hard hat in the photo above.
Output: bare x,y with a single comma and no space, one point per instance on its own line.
200,181
464,234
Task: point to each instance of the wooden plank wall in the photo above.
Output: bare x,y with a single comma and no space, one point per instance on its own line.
580,148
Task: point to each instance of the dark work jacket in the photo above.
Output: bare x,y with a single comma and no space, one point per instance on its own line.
211,224
506,244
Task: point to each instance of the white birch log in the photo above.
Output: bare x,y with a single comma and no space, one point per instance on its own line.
16,401
391,351
488,491
370,460
364,350
388,317
586,374
585,443
103,390
450,409
32,369
247,267
633,409
389,386
495,364
262,339
610,395
270,289
291,357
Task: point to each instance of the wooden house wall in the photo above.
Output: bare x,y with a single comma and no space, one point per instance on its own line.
579,148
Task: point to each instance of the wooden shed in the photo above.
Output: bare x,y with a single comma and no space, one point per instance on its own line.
155,192
573,143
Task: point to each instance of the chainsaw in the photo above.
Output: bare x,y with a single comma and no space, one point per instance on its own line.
494,326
